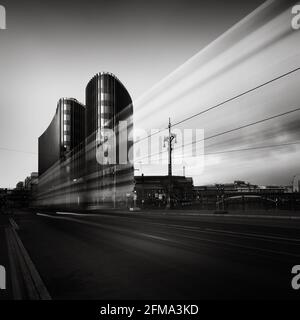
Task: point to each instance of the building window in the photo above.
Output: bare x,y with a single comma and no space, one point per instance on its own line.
106,109
106,116
67,116
67,107
102,84
105,96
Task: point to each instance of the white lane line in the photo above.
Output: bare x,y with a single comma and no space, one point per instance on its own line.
94,224
69,213
14,224
153,237
85,214
209,231
254,235
230,233
274,239
243,246
130,218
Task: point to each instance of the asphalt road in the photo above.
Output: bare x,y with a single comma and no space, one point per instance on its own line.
161,256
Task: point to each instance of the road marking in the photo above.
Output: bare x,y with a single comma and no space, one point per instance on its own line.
209,230
85,214
14,224
72,213
233,234
254,235
152,236
94,224
244,247
131,218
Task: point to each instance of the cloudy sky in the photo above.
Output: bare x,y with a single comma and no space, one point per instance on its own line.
261,47
51,50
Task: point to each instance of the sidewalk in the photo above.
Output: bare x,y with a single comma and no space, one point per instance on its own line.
22,279
4,259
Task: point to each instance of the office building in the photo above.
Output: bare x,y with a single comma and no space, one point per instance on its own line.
65,132
84,154
109,112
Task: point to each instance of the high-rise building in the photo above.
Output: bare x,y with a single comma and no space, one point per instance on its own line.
62,157
109,111
84,155
65,132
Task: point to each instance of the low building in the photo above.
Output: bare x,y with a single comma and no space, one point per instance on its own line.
152,191
271,189
31,181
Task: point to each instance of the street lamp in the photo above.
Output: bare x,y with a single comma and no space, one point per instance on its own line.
170,139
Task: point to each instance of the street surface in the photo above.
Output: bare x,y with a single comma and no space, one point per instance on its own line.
160,256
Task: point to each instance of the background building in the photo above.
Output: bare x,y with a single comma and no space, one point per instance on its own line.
151,191
31,181
296,183
242,195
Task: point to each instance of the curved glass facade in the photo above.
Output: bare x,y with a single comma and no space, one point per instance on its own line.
66,131
109,127
61,156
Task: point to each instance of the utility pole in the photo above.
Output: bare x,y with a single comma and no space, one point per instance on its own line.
169,139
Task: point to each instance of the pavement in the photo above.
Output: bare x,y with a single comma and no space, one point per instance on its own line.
4,260
160,255
19,279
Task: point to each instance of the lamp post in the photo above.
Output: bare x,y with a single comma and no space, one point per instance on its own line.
170,139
